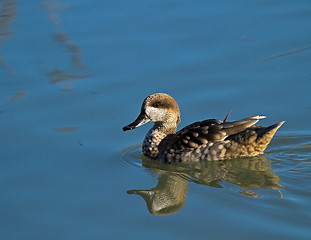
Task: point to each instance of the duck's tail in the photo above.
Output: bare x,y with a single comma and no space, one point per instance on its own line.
252,141
265,135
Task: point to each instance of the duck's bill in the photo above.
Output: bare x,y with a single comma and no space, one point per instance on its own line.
141,119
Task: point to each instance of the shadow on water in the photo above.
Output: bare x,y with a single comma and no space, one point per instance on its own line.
169,195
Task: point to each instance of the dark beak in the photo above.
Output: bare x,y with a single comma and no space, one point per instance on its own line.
141,119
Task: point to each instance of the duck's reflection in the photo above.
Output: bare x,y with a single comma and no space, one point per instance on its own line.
169,195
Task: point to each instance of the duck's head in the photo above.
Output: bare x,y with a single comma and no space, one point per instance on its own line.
159,108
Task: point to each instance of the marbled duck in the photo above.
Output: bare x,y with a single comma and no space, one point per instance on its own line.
210,139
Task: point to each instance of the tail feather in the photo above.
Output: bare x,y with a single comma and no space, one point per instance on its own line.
269,131
237,126
252,141
275,127
265,135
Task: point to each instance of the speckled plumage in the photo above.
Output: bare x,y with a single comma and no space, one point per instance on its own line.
206,140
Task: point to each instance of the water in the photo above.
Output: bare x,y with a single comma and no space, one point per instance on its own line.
73,73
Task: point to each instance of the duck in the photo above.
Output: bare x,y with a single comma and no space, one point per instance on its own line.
207,140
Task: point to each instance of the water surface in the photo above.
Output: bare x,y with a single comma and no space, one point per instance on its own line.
73,73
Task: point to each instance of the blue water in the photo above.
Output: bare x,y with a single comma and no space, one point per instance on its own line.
73,73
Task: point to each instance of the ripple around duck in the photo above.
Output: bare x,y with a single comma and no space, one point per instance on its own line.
291,161
292,152
131,156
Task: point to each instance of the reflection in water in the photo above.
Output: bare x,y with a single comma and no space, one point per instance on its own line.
60,76
64,78
169,195
54,9
7,13
66,129
286,53
73,49
17,95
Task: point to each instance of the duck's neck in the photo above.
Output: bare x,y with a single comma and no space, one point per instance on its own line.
151,144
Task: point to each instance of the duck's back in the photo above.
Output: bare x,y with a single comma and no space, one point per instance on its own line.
216,140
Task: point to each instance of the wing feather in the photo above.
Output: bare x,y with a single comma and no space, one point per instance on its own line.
211,130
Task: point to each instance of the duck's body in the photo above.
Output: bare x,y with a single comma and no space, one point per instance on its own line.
207,140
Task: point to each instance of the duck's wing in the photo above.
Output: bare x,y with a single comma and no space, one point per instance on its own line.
208,131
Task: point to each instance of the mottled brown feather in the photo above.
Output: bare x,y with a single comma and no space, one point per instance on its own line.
211,130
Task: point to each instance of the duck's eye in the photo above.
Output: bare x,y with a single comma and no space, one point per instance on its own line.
156,105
